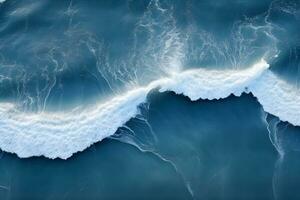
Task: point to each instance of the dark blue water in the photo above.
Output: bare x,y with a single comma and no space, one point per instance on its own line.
56,56
206,149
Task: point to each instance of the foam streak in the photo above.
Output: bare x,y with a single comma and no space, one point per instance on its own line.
59,135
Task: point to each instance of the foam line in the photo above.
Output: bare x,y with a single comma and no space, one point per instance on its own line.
59,135
214,84
278,97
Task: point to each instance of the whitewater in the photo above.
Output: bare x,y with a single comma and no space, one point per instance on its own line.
61,134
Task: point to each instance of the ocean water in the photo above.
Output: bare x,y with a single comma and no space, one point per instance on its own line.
149,99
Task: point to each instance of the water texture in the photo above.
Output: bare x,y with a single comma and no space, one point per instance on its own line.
149,99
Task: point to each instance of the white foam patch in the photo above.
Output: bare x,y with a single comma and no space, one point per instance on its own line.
59,135
278,97
214,84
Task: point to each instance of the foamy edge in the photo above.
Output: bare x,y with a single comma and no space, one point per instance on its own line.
60,135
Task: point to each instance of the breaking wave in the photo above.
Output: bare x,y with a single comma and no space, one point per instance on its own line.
59,135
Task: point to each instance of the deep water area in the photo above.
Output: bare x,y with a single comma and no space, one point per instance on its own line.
149,99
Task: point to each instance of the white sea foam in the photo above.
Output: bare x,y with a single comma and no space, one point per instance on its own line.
62,134
278,97
214,84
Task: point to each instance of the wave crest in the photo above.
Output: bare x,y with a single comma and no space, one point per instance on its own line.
59,135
